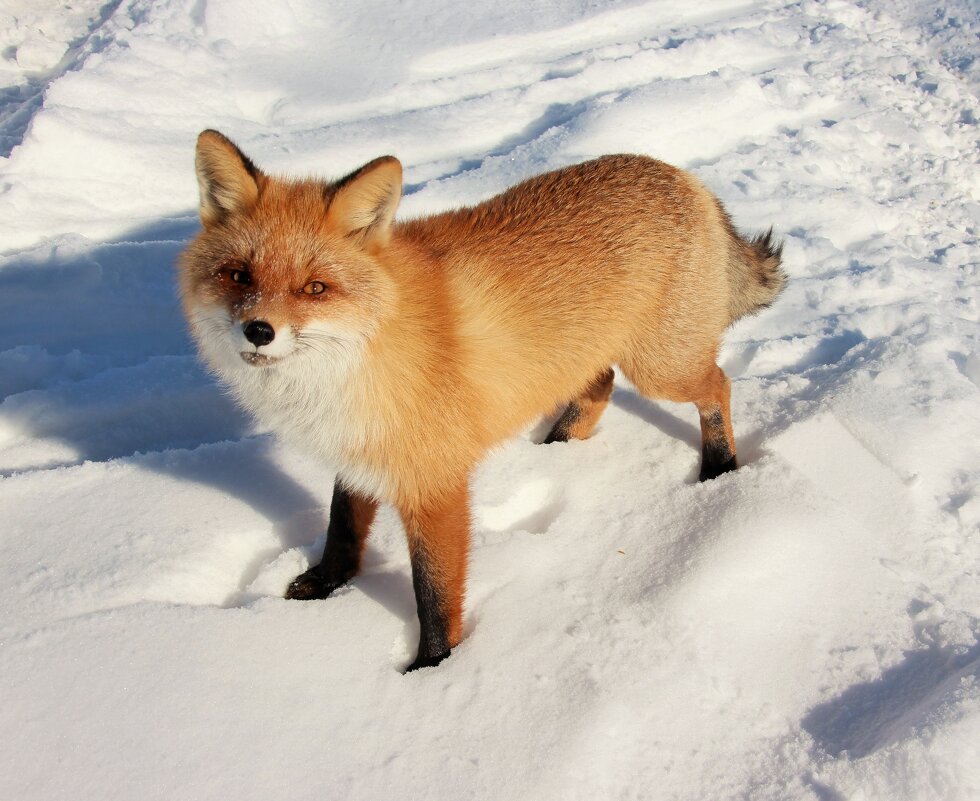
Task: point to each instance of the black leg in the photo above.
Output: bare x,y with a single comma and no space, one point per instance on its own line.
716,454
438,533
350,517
433,620
561,430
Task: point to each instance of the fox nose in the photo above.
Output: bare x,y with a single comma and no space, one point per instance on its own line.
259,332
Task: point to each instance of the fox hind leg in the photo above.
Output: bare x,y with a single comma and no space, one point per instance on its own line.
351,516
709,389
717,438
581,415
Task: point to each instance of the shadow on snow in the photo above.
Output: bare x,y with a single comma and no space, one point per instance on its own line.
880,713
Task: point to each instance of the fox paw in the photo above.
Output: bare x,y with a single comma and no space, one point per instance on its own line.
714,468
426,661
314,585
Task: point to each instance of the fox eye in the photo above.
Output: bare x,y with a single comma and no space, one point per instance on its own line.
243,277
315,288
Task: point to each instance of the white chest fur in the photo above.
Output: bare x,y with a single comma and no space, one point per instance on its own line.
307,399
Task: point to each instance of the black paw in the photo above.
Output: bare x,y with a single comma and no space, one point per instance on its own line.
313,585
426,661
713,469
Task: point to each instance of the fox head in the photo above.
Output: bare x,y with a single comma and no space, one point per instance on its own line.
285,270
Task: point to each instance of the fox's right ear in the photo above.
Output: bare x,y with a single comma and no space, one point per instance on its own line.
227,178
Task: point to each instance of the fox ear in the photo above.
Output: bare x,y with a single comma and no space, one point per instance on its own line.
364,203
227,178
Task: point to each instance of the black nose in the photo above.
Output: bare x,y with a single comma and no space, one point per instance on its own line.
259,332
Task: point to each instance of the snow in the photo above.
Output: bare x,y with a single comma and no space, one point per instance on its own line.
804,628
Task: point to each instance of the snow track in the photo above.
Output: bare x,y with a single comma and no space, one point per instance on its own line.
805,628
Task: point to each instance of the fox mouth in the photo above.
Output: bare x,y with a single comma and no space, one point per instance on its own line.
259,359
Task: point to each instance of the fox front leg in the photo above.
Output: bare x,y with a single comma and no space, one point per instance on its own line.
350,520
438,542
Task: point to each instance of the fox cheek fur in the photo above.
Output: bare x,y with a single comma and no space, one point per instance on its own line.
400,353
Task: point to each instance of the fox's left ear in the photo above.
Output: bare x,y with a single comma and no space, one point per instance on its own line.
364,203
227,178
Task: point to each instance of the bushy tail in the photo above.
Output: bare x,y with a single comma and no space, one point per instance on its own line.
755,274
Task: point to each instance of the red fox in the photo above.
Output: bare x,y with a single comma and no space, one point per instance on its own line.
400,352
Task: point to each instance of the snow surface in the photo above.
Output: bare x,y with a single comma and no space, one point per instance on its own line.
805,628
